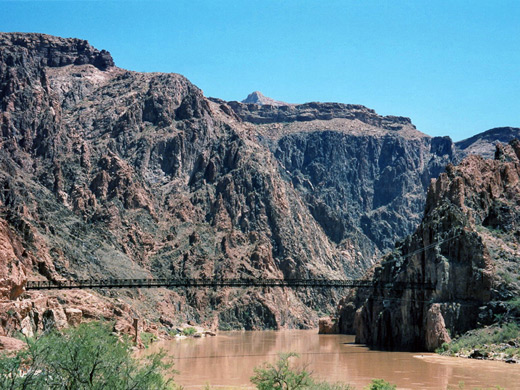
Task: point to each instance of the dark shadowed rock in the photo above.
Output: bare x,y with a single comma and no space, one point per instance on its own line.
466,246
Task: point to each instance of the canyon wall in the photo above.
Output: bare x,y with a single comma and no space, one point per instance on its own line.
109,173
467,247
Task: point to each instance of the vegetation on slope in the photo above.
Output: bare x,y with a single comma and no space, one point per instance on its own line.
499,342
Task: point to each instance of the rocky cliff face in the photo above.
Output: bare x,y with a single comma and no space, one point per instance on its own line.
484,144
363,177
467,246
111,173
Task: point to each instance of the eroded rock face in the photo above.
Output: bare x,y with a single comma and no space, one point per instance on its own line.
484,144
271,113
466,246
54,51
365,191
110,173
41,311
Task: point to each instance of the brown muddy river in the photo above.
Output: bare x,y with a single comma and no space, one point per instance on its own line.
227,361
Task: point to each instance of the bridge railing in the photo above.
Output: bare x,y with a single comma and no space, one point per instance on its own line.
218,283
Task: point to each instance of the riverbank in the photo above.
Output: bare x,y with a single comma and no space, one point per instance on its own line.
184,331
496,342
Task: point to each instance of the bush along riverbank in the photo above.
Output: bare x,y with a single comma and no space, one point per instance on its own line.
89,357
495,342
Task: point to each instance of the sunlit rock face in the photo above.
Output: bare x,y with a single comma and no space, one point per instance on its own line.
467,246
117,174
484,144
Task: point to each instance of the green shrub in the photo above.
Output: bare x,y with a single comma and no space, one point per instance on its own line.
189,331
443,348
87,357
514,304
147,338
280,376
380,384
508,332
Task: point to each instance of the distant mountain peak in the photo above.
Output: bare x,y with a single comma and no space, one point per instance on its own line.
258,98
484,144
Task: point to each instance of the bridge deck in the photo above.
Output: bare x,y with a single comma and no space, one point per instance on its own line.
218,283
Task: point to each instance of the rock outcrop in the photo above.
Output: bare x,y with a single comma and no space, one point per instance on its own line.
11,344
484,144
258,98
327,325
53,51
467,246
110,173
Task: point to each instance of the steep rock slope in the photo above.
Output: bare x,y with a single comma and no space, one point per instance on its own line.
467,246
362,176
484,144
111,173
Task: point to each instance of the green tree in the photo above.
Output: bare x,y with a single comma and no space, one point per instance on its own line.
281,376
380,384
89,357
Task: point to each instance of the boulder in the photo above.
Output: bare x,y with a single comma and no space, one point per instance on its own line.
27,327
74,316
11,344
327,325
436,332
478,354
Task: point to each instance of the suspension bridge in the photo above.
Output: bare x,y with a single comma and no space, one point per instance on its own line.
241,282
219,283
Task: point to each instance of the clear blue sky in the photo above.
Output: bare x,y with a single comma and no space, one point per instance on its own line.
452,66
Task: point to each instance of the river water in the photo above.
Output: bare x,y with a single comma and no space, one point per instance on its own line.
227,361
